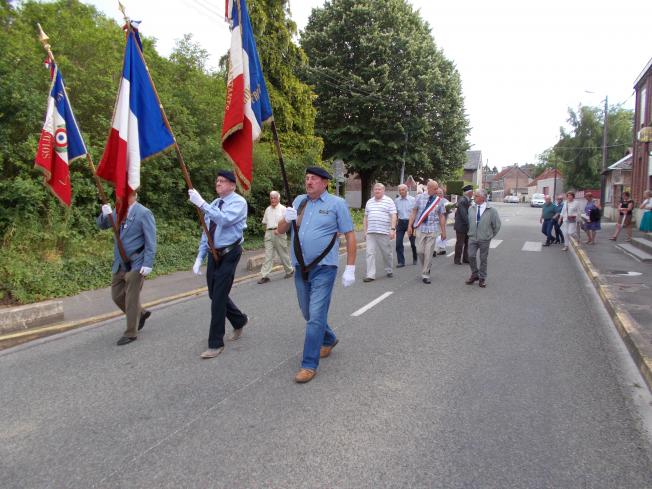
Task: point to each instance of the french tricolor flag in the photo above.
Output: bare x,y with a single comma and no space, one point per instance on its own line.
247,101
138,130
60,142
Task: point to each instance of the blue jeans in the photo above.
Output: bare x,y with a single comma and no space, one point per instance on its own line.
314,297
546,229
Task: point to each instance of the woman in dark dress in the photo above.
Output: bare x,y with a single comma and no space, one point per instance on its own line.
624,218
591,217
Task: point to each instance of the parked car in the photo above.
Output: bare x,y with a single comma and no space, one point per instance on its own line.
511,199
537,200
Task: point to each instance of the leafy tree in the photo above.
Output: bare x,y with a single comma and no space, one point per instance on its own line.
578,154
384,91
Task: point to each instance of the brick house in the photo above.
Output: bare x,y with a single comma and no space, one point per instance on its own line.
642,161
512,180
550,182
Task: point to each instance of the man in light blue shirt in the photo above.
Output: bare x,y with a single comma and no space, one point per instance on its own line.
404,205
319,216
226,220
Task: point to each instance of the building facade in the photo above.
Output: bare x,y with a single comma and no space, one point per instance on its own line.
642,161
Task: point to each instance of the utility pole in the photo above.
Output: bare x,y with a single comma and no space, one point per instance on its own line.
403,165
605,133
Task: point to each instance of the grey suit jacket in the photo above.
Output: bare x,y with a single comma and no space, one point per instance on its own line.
138,235
489,224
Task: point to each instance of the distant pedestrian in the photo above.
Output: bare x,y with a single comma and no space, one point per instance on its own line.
625,214
646,219
569,216
226,220
461,226
275,242
556,220
440,243
427,218
592,216
404,204
548,212
138,237
320,218
380,229
484,224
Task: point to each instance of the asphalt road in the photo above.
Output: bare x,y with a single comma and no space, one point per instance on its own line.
521,385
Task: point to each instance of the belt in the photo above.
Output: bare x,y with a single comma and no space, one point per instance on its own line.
227,249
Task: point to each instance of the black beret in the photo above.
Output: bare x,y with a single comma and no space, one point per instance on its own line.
466,188
226,174
320,172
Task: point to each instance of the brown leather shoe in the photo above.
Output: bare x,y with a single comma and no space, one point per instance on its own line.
212,352
482,283
304,375
472,279
325,351
263,280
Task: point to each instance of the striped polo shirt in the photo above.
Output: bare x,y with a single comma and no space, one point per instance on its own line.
379,214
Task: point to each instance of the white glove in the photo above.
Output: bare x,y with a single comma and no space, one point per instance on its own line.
195,198
290,214
348,277
106,210
196,268
145,271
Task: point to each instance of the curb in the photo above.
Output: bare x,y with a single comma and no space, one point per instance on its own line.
33,333
627,327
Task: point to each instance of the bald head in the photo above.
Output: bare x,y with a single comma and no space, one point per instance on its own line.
432,187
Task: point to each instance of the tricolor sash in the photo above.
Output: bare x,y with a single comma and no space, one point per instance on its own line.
426,212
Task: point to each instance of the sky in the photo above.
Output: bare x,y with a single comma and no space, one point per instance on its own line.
522,63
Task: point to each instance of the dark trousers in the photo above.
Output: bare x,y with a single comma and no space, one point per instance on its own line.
219,279
401,229
546,229
461,247
559,235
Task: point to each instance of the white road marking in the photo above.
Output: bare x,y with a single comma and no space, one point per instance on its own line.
364,309
451,242
450,254
531,246
495,243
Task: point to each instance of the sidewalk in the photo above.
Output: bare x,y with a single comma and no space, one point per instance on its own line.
94,306
623,284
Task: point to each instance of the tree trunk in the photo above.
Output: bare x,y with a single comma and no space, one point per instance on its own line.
365,186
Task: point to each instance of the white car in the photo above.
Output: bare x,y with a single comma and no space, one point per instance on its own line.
538,200
511,199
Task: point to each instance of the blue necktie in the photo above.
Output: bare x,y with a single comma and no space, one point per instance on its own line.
213,226
478,218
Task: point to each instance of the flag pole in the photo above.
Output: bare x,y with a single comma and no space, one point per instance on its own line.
184,168
45,41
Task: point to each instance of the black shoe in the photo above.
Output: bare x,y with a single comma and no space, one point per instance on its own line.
465,261
143,317
472,279
482,283
414,262
367,279
442,252
125,340
263,280
457,262
400,265
546,244
426,281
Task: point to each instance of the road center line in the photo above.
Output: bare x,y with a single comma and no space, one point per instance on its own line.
364,309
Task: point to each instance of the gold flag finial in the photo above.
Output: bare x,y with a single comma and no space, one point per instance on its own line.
122,9
43,37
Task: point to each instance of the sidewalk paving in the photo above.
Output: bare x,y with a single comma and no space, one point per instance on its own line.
623,284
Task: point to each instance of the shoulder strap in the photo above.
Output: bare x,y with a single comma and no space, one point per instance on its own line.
305,269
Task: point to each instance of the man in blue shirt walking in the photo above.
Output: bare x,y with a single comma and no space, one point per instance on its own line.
320,217
226,220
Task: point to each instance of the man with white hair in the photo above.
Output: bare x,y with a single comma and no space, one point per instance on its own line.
404,205
274,241
484,224
427,219
380,229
